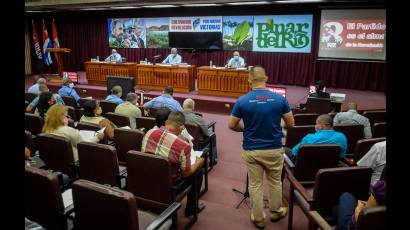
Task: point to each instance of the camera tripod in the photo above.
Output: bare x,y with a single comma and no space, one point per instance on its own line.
245,194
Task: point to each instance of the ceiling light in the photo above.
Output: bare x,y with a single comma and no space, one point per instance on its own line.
159,6
92,8
298,1
124,7
199,5
247,3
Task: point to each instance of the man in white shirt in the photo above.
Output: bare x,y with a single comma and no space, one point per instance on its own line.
35,88
174,58
353,117
236,61
114,56
376,159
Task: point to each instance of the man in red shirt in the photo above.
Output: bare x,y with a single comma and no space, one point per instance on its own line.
165,142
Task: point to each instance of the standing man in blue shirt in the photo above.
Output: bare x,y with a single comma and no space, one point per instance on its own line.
165,100
35,88
174,58
115,96
324,135
68,90
261,111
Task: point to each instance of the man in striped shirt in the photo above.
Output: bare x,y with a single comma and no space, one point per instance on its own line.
165,142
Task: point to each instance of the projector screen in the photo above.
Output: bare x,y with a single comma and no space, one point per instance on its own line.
353,34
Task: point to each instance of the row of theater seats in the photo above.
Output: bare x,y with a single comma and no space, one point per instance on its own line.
109,165
118,164
318,176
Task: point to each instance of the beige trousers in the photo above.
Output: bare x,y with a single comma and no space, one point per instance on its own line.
271,162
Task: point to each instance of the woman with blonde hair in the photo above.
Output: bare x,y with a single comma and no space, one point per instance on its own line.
56,122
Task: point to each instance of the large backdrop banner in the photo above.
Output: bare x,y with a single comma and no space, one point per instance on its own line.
282,33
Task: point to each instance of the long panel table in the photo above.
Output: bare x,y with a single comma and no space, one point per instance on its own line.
97,72
222,81
156,77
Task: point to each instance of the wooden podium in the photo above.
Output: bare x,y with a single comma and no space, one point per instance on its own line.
57,52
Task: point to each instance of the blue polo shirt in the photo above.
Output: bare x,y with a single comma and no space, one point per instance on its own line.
324,137
164,101
261,111
114,98
70,92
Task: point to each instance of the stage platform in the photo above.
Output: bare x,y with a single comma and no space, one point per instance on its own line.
366,100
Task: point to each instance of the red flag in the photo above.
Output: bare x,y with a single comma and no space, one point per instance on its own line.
36,42
46,44
56,43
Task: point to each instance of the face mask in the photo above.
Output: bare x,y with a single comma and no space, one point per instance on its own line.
317,128
236,58
71,85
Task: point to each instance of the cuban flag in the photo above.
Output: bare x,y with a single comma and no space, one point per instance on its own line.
46,44
56,43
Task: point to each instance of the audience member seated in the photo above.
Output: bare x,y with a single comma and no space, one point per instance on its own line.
68,90
27,154
92,114
165,100
160,118
324,135
43,88
115,96
35,88
45,101
130,109
353,117
191,117
320,85
165,142
376,159
347,212
56,123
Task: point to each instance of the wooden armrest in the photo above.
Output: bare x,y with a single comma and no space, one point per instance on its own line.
297,185
348,161
343,164
159,221
319,221
288,161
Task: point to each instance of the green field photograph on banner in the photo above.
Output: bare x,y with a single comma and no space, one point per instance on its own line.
237,32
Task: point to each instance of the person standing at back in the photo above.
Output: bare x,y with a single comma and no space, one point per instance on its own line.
261,111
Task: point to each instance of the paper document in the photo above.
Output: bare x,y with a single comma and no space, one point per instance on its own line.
88,135
67,198
194,155
125,127
101,130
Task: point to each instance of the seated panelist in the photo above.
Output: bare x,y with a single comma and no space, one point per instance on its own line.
174,58
236,61
114,56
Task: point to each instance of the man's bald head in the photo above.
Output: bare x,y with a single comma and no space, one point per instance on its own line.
352,105
324,122
188,104
257,75
42,81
